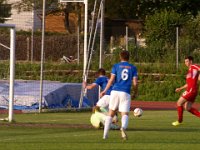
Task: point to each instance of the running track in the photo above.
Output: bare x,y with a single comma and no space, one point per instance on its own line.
145,105
155,105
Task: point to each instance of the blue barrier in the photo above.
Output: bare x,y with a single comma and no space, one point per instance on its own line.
55,95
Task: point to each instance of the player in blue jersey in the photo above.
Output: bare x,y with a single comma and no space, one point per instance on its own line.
101,81
122,77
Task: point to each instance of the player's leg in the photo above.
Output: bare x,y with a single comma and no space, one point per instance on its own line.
102,104
124,108
95,108
113,106
192,110
180,104
124,124
108,122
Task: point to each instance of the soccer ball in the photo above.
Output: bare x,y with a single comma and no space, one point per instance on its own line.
137,112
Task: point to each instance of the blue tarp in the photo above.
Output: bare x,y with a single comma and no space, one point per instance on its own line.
55,95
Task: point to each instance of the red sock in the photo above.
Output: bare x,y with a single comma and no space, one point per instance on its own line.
180,113
195,112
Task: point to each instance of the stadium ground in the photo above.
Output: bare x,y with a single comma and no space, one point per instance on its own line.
72,131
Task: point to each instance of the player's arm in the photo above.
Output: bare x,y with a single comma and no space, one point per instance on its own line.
135,87
181,88
198,68
109,84
90,86
199,77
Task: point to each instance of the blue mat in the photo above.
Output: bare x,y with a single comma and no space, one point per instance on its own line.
55,95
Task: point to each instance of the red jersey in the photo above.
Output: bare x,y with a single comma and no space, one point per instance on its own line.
192,78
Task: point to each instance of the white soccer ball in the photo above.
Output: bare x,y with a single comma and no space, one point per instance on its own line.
137,112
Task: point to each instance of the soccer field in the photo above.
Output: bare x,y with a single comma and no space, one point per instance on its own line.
59,131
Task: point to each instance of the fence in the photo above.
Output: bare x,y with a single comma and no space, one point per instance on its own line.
55,47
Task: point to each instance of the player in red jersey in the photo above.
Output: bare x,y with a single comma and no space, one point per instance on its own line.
191,86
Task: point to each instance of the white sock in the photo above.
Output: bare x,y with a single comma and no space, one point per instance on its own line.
124,121
107,126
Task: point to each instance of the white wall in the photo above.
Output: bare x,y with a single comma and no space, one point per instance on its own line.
24,20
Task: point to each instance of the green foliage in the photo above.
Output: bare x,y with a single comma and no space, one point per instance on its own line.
39,33
160,34
111,59
161,28
183,7
52,71
163,90
189,38
116,9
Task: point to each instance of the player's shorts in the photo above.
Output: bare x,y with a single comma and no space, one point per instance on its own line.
104,101
189,96
120,100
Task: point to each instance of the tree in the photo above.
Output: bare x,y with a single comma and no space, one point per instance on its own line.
118,9
5,10
190,37
184,7
160,31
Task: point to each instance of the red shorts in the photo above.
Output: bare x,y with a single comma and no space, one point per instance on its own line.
189,96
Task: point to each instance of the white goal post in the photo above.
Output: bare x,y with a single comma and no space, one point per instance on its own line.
85,27
85,34
12,67
78,1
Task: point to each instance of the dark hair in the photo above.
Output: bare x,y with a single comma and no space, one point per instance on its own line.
101,71
190,58
124,55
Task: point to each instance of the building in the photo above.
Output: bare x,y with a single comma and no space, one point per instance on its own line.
25,20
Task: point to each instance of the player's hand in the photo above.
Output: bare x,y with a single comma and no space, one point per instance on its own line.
84,84
102,94
178,90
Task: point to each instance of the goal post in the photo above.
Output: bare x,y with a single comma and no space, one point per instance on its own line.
85,27
12,67
71,1
85,35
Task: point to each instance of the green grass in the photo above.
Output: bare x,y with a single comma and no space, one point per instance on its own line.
152,131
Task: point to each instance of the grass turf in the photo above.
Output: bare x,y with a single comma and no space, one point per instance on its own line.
59,131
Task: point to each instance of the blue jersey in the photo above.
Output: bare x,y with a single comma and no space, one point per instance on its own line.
124,73
102,82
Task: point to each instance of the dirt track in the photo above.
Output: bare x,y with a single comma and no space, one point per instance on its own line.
155,105
47,125
146,105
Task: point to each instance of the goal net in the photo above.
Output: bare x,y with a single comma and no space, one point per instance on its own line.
7,73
